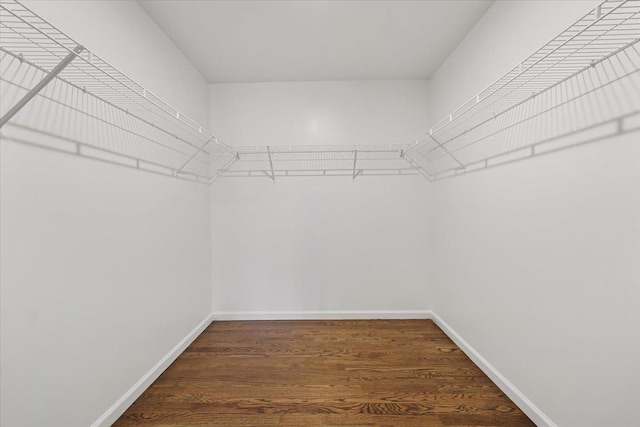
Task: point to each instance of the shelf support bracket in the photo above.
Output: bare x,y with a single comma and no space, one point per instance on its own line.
222,170
193,156
273,175
355,160
41,84
416,166
448,152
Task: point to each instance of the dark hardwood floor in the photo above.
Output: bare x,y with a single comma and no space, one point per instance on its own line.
323,373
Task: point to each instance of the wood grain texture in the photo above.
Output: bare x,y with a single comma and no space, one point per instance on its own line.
323,373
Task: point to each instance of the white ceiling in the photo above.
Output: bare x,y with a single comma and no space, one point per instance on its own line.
260,41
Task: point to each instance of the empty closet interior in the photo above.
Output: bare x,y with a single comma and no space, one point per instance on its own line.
167,166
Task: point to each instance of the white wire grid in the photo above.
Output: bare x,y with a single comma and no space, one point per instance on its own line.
320,160
581,86
588,77
93,107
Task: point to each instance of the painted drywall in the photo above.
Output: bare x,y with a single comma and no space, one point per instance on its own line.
319,244
535,263
104,269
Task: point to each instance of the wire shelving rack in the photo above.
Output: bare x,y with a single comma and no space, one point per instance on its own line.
91,108
320,160
582,86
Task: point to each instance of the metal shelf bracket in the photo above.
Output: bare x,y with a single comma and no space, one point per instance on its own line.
41,84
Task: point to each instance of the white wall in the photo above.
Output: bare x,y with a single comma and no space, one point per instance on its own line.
104,269
319,244
535,263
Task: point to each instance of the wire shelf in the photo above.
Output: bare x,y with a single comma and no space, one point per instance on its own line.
583,81
91,106
581,86
320,160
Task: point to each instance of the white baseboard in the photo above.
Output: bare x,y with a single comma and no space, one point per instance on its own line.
320,315
121,405
526,405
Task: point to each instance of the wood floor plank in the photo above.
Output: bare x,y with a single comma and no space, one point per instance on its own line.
323,373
